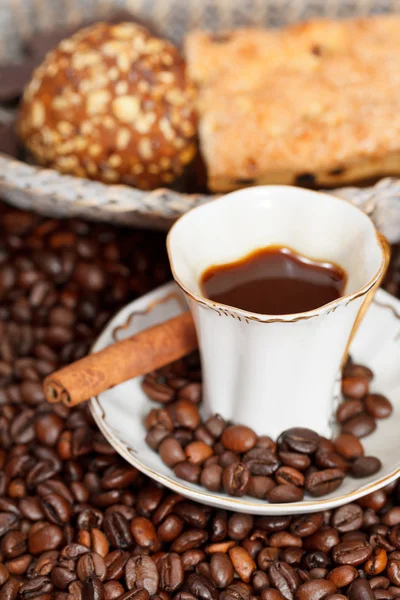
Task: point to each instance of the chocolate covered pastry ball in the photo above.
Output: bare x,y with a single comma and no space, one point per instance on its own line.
111,103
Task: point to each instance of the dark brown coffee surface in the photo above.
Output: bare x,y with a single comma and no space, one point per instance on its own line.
274,280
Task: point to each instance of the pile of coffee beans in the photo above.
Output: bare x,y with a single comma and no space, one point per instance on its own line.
76,521
227,457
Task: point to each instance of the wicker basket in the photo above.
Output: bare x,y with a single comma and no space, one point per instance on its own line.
50,193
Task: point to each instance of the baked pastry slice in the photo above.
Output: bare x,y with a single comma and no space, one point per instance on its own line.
315,103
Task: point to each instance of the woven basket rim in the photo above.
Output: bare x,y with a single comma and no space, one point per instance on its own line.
140,200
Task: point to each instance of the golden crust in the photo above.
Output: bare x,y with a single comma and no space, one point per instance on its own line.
111,103
320,98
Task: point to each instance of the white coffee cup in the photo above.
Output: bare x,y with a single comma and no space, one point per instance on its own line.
272,372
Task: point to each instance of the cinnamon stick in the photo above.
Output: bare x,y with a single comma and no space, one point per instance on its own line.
139,354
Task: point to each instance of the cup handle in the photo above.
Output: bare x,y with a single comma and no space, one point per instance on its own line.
369,297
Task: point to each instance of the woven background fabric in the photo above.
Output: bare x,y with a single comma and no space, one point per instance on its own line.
20,19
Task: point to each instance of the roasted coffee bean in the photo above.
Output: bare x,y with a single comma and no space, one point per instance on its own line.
379,582
211,477
190,391
90,517
271,594
365,466
184,596
201,587
186,414
285,493
266,557
273,523
62,576
351,552
261,461
326,459
259,486
284,579
144,533
198,452
8,521
117,477
259,581
298,461
156,435
243,564
236,479
240,526
10,589
292,556
289,475
393,571
58,487
48,537
141,573
148,499
360,426
192,538
113,590
239,438
360,590
117,530
192,558
202,434
48,427
323,482
183,435
170,567
193,514
355,386
315,560
300,439
219,526
377,562
322,540
316,589
157,391
188,471
284,539
343,576
22,427
36,588
91,563
215,425
19,564
222,571
306,525
170,528
56,509
115,563
391,518
375,500
355,370
347,518
378,406
14,544
348,409
227,458
3,574
349,446
93,589
159,417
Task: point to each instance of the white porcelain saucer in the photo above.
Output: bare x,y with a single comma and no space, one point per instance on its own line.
120,411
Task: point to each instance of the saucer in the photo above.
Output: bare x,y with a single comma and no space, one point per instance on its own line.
120,411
